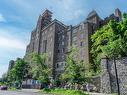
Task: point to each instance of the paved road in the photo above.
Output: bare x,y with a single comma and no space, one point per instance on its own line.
21,92
33,92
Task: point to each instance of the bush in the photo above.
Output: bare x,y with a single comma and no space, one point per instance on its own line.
12,88
47,90
63,91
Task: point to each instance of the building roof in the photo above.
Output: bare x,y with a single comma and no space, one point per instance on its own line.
117,9
47,11
54,21
92,13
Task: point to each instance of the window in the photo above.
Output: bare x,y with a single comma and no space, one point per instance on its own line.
44,45
63,50
63,36
58,51
62,43
57,65
82,36
81,43
62,64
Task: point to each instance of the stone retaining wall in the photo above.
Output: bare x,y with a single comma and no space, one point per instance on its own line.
109,79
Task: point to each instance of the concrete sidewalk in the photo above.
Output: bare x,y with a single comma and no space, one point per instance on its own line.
98,93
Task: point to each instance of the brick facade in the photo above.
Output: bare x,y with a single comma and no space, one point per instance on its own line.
55,38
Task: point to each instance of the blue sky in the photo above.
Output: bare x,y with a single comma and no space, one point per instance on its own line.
19,17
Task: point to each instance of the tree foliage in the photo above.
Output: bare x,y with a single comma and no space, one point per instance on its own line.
74,69
110,41
3,79
40,70
19,71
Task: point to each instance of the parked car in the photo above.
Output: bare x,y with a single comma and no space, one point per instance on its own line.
3,87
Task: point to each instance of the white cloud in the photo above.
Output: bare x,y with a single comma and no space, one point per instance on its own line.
64,10
3,69
2,19
22,4
69,11
78,13
13,38
75,15
11,43
67,4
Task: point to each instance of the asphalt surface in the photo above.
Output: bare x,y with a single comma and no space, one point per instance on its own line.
33,92
21,92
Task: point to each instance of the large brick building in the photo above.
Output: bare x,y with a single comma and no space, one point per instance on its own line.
55,38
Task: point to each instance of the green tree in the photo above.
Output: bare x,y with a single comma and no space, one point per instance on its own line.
110,41
3,80
40,70
74,69
19,72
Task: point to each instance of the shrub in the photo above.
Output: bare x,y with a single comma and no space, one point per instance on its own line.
63,91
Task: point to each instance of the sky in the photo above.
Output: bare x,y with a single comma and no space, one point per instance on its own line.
19,17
